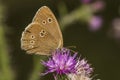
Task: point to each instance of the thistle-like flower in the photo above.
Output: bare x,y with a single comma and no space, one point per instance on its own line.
61,62
83,71
78,77
82,67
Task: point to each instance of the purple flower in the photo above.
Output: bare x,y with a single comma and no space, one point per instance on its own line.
95,23
83,71
78,77
98,5
82,67
61,62
116,28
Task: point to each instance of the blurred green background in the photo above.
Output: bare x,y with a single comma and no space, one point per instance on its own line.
99,44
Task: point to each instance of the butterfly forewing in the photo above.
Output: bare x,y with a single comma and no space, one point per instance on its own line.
46,18
36,39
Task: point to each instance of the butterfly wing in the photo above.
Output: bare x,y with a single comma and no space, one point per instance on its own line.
37,39
46,18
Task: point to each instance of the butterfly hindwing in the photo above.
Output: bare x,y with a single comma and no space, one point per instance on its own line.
36,39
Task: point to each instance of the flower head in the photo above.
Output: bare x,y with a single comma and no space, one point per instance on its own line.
78,77
98,5
61,62
82,67
83,71
95,23
115,29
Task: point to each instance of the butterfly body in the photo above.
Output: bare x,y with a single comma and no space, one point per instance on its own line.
43,35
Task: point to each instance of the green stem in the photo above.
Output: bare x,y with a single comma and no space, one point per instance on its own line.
37,70
5,67
83,13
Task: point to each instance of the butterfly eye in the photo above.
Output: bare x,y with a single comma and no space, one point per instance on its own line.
42,33
32,42
43,22
32,37
49,20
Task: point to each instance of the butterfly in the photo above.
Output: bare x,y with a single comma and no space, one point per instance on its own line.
43,34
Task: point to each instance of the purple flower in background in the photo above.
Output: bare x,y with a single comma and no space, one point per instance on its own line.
95,23
61,62
98,5
116,23
116,28
85,1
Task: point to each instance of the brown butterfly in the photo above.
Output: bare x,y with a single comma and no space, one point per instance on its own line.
43,35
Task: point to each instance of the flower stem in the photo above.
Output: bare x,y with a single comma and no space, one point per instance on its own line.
5,67
82,13
37,68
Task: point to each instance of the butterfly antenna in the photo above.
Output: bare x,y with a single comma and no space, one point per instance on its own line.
71,49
